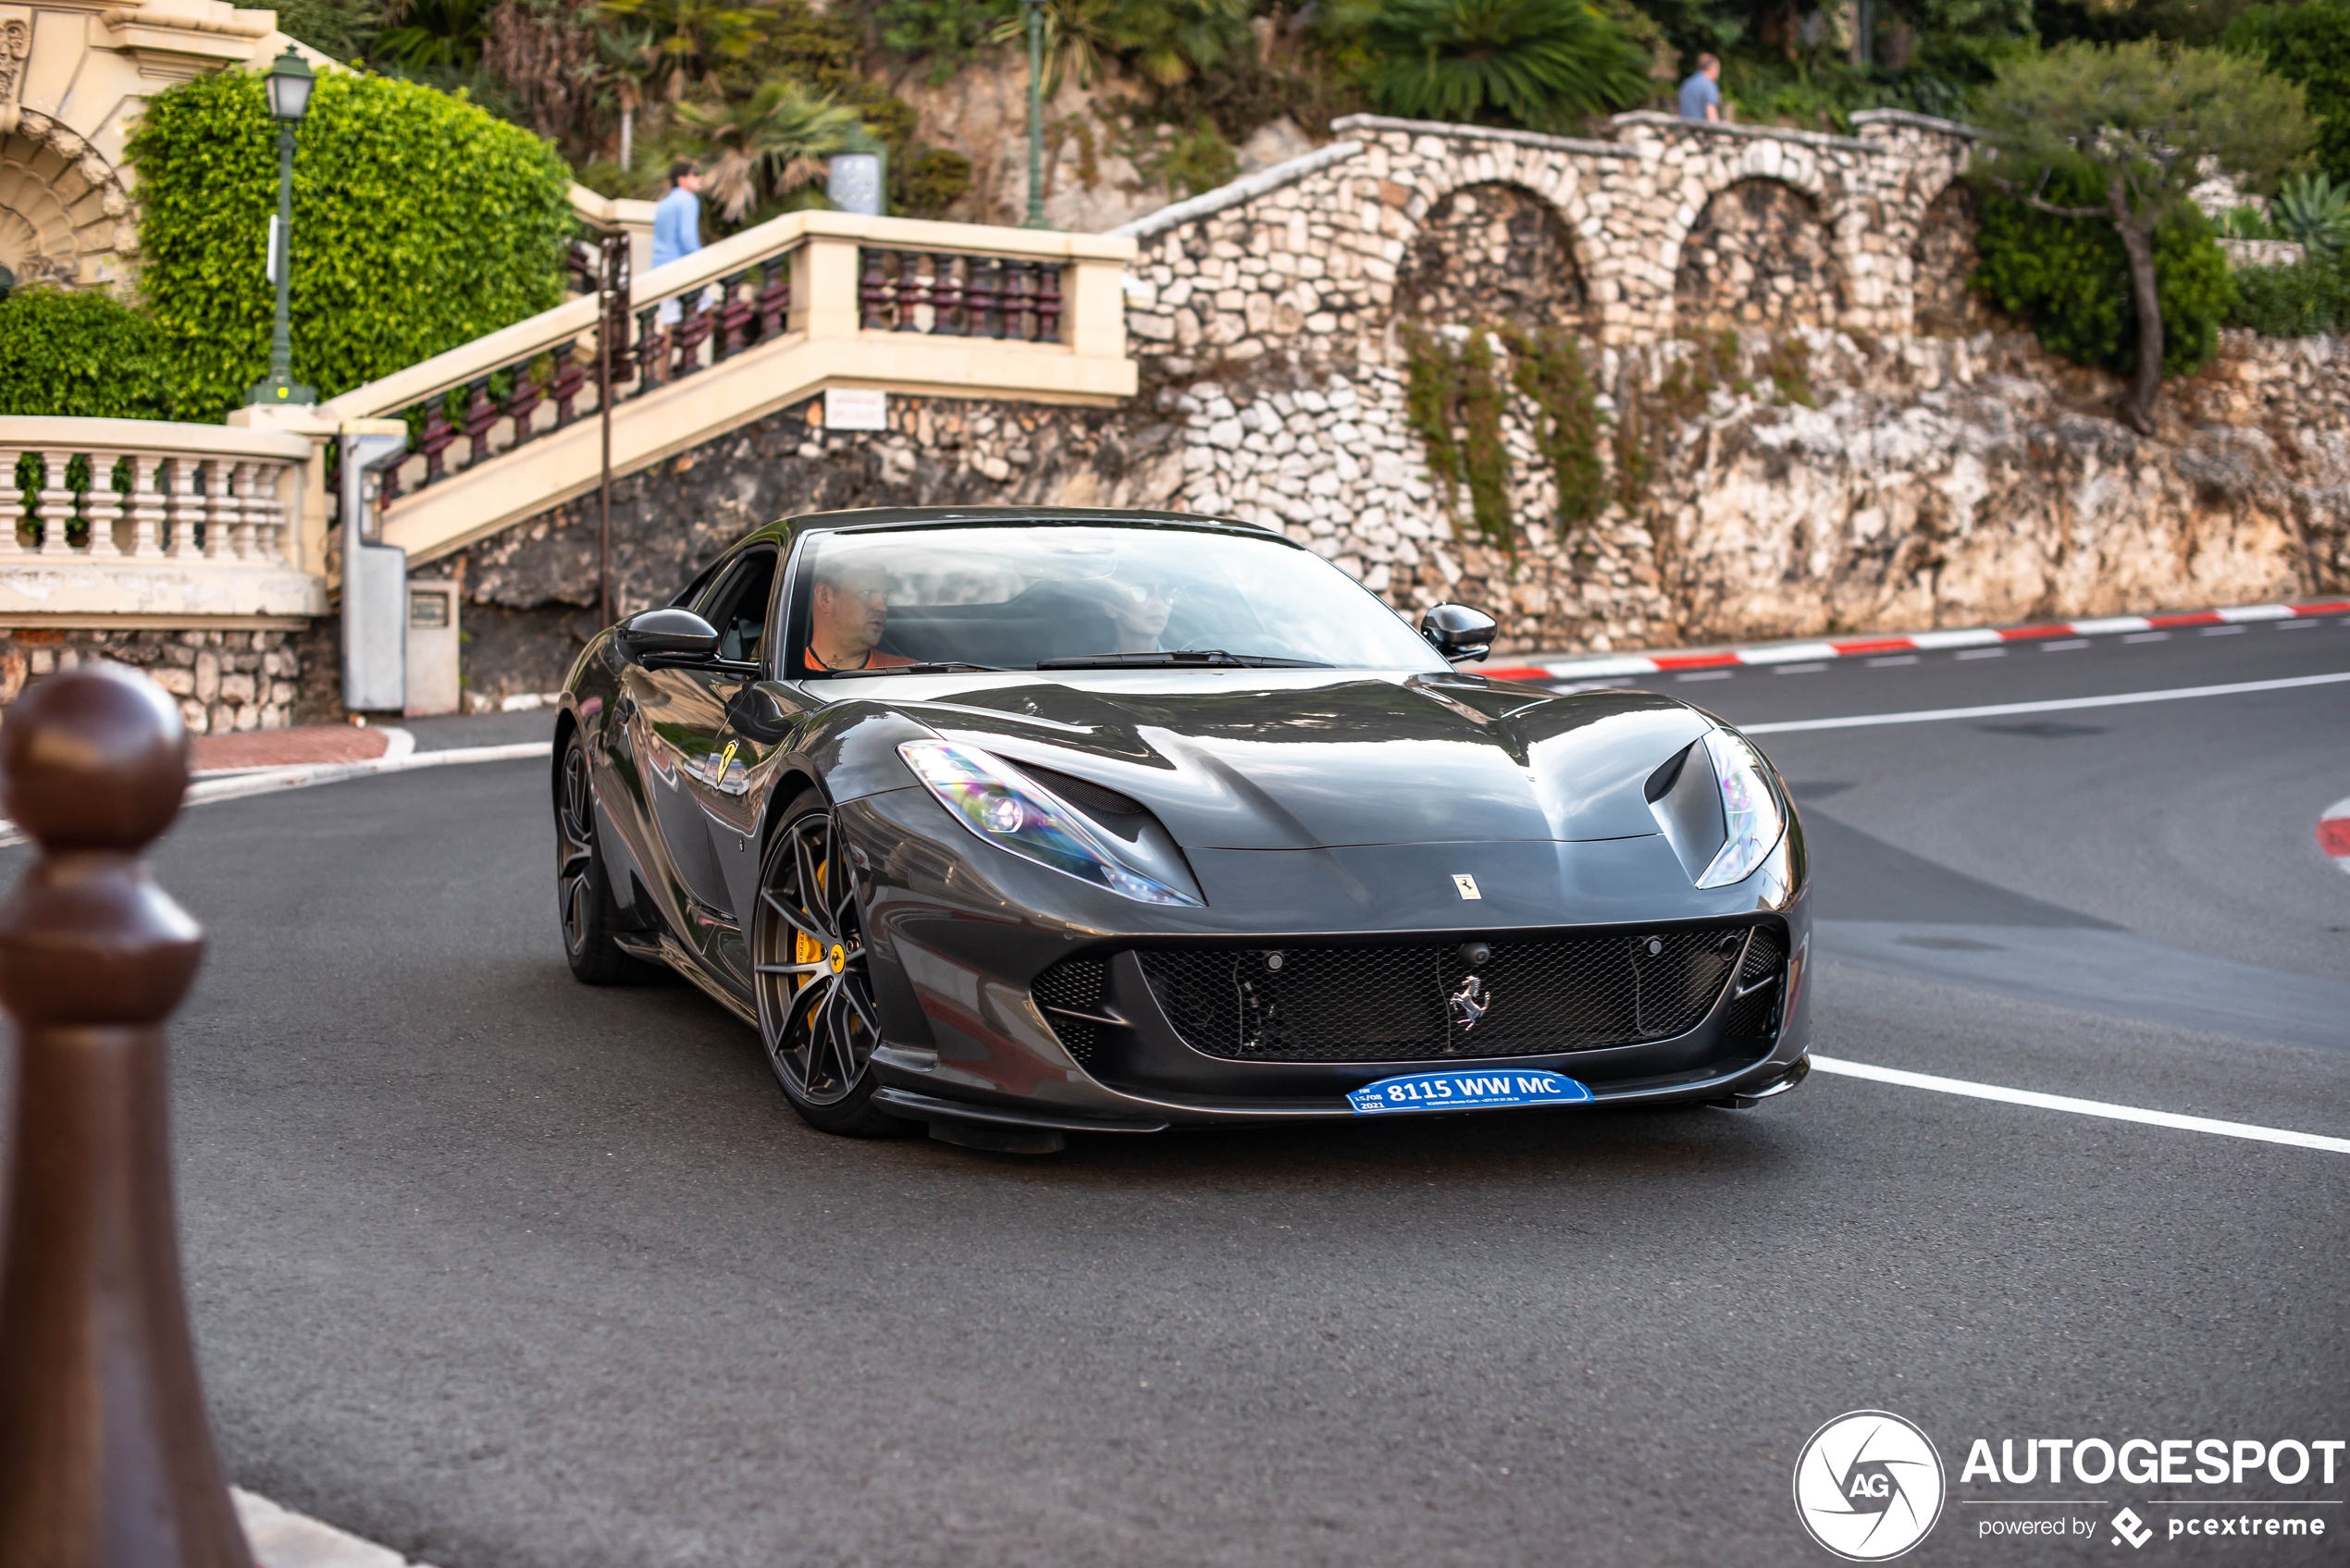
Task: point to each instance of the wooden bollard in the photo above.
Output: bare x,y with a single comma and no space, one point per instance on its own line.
106,1457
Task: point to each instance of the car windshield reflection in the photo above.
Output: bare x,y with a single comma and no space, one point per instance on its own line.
1043,597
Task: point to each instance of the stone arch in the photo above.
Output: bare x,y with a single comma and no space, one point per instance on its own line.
1940,259
64,214
1760,253
1492,250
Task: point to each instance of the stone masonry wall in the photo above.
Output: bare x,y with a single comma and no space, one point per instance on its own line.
1909,463
225,681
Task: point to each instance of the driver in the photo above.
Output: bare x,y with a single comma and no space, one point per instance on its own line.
847,612
1138,612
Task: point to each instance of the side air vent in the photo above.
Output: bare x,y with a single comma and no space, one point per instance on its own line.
1071,995
1755,1006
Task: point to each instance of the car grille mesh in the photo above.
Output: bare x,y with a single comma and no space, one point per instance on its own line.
1078,983
1395,1002
1755,1015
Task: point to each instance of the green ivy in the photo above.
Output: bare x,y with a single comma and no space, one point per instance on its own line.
420,222
80,352
1550,371
2070,278
1455,397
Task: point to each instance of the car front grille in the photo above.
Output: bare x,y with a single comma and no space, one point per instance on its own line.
1754,1012
1380,1004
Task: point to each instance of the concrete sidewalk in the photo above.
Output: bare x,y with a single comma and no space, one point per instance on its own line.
310,745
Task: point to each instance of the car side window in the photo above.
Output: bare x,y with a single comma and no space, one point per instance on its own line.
739,608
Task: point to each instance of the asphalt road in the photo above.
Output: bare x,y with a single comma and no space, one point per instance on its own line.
502,1271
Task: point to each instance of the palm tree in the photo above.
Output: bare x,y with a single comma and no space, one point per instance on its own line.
1539,63
1076,35
627,62
690,38
771,139
435,33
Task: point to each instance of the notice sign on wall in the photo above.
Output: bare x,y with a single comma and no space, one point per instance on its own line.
856,408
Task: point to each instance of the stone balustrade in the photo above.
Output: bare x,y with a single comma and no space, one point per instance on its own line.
142,522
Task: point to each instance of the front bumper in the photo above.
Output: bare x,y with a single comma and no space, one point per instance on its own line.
958,939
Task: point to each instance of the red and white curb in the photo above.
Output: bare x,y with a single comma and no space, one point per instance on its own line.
1898,642
2333,833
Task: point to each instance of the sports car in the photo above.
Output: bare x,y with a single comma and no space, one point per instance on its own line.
1021,822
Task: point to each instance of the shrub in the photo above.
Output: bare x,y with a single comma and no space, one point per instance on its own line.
2070,279
80,352
927,181
2294,302
420,222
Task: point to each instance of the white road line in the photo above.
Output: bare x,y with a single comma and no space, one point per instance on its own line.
2080,1107
2060,705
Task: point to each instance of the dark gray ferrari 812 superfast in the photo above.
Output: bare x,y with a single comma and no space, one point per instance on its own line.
1020,823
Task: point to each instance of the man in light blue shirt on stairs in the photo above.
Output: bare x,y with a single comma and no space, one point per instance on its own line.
677,224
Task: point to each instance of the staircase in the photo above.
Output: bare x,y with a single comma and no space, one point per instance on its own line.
506,427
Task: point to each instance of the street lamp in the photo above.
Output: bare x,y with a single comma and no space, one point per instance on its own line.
289,80
1035,9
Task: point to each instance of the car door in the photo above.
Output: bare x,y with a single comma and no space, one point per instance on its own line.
680,718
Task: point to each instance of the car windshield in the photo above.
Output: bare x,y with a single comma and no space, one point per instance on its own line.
1076,595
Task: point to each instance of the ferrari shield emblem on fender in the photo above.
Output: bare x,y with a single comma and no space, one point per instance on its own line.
1465,885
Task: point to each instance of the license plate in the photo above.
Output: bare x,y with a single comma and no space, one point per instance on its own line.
1466,1091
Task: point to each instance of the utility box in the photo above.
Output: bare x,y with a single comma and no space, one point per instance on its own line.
432,647
375,575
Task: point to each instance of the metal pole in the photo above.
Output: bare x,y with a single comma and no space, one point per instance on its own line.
281,386
1035,10
613,250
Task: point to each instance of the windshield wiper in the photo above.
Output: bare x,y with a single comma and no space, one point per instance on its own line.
1181,656
947,668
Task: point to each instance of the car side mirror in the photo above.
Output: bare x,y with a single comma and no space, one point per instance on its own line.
1458,632
676,633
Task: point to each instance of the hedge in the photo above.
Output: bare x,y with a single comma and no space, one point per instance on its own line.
81,353
2070,278
420,222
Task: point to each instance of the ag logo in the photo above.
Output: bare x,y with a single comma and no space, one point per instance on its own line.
1868,1486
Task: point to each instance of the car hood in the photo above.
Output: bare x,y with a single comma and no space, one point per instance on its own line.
1306,759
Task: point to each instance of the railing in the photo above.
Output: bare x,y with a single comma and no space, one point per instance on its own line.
202,516
655,343
958,296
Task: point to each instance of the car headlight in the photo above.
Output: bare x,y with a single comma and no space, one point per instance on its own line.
1009,810
1750,810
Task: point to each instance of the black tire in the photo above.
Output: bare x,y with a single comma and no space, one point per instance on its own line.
817,1021
584,903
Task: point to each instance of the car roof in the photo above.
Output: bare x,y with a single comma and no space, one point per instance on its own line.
940,516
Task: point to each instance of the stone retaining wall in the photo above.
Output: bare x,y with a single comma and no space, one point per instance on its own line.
225,681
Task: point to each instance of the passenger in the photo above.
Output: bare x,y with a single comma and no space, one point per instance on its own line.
846,615
1138,611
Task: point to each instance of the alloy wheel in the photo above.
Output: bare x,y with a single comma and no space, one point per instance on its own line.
816,1013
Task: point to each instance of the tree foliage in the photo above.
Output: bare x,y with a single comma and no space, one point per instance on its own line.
2310,44
768,141
2130,130
420,222
2071,280
1539,63
80,352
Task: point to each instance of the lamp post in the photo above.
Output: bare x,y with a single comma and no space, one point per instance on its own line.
1035,9
289,80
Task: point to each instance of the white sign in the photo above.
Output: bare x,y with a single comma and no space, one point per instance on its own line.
856,408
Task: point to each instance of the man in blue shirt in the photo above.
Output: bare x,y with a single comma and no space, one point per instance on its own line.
677,224
1700,98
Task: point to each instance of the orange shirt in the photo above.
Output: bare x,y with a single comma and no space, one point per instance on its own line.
875,660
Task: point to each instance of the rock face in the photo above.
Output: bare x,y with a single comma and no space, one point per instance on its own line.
224,681
1808,424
